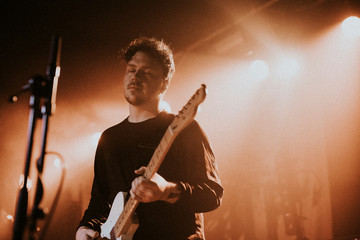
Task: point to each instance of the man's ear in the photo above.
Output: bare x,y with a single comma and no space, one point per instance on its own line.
164,86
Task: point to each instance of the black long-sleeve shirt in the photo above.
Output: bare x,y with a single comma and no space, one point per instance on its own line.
190,162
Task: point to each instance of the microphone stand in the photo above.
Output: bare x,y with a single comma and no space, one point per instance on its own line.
42,105
21,208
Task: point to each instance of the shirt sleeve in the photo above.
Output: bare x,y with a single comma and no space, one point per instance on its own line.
98,208
201,189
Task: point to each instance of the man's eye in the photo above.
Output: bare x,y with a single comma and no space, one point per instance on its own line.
148,73
131,70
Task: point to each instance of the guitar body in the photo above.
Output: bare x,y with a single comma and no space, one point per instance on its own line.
107,229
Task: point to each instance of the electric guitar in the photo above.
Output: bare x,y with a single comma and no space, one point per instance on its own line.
122,222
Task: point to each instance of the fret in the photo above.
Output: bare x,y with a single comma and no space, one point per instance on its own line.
160,147
151,167
171,129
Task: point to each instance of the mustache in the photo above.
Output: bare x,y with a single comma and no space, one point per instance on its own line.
134,83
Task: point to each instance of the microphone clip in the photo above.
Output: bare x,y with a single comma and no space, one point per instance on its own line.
39,86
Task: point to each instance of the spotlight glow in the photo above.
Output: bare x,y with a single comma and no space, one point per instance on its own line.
351,27
95,138
259,69
164,106
288,67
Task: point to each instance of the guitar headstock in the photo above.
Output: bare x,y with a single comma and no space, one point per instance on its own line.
188,112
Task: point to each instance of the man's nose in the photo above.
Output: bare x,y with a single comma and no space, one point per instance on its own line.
135,77
138,74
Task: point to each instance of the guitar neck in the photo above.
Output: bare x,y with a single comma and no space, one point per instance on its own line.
160,153
124,220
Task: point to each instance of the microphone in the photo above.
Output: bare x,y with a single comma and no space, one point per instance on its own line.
53,72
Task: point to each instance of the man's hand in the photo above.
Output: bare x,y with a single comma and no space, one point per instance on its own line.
85,233
157,188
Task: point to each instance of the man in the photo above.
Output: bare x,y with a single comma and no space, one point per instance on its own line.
187,182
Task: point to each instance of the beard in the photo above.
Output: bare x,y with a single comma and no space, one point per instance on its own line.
134,100
141,98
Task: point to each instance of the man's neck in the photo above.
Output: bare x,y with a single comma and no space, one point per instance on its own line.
142,113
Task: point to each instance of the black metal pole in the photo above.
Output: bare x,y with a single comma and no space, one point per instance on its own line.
22,201
36,212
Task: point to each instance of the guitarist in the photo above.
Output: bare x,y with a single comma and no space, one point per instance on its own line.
187,183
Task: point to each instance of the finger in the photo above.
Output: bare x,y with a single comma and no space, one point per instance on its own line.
132,194
133,191
136,190
93,234
136,183
137,195
140,171
96,234
143,194
149,184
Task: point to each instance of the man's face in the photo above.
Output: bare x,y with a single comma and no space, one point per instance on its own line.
143,80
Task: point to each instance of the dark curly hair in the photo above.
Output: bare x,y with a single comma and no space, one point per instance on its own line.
158,49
